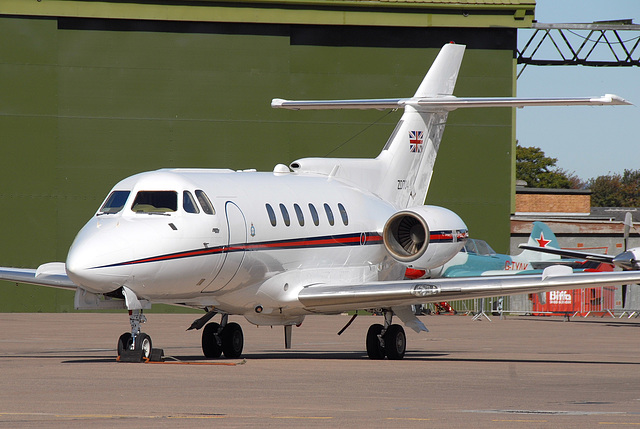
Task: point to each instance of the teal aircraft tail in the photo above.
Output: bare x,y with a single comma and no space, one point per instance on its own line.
541,236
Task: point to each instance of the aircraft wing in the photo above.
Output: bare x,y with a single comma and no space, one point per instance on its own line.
446,103
52,274
571,253
338,298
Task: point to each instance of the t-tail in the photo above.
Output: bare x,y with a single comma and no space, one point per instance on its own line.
409,156
402,172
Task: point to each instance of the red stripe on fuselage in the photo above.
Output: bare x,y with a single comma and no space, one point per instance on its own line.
371,238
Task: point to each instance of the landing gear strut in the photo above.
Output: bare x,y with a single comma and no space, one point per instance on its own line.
135,345
221,338
388,340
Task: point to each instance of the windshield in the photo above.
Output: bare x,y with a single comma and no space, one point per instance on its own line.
470,246
115,202
155,202
484,248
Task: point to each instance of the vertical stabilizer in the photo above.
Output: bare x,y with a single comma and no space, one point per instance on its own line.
410,153
541,236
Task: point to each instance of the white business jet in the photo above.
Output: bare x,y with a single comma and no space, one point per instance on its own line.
322,236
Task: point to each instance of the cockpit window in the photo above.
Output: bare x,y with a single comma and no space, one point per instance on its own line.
115,202
155,202
484,248
470,246
205,202
188,203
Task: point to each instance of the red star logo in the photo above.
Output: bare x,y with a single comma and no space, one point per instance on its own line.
541,241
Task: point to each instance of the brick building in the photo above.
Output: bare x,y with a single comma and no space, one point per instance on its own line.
572,202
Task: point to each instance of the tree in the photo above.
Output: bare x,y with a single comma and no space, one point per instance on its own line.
616,190
540,171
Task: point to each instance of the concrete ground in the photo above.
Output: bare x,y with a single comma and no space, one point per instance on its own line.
523,372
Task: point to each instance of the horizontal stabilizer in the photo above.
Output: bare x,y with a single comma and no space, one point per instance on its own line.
446,103
382,103
570,253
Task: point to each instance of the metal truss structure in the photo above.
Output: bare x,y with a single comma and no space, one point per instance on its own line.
600,44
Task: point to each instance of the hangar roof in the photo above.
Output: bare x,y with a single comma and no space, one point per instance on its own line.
399,13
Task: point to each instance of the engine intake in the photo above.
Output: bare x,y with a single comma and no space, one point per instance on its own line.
424,236
406,236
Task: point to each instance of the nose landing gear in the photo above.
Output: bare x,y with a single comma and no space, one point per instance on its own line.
136,346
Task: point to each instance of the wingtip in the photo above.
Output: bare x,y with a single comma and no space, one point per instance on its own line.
616,100
556,271
277,103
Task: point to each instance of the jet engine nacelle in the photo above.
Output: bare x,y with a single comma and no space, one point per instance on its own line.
424,237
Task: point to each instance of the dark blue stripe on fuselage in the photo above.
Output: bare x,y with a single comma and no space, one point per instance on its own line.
357,239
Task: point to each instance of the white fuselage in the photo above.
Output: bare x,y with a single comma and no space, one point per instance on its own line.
235,259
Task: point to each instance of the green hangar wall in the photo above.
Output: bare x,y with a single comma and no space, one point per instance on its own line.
93,92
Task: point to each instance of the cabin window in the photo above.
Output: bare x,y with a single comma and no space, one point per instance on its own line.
188,203
299,214
327,209
314,214
271,213
343,214
115,202
285,215
205,202
155,202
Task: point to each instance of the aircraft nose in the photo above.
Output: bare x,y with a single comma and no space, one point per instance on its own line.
93,259
625,260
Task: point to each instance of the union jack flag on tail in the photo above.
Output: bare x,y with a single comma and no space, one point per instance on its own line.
415,141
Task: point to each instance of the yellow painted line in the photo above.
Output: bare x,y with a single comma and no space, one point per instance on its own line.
112,416
301,417
620,423
98,416
409,418
196,417
80,416
520,421
196,363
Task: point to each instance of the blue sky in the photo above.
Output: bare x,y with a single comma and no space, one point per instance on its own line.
587,141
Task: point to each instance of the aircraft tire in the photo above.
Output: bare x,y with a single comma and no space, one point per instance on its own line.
143,342
395,342
375,350
210,347
232,341
124,343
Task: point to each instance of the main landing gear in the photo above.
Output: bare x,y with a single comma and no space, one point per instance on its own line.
222,338
388,340
135,346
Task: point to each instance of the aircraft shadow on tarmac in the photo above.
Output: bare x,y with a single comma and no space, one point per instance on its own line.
338,355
